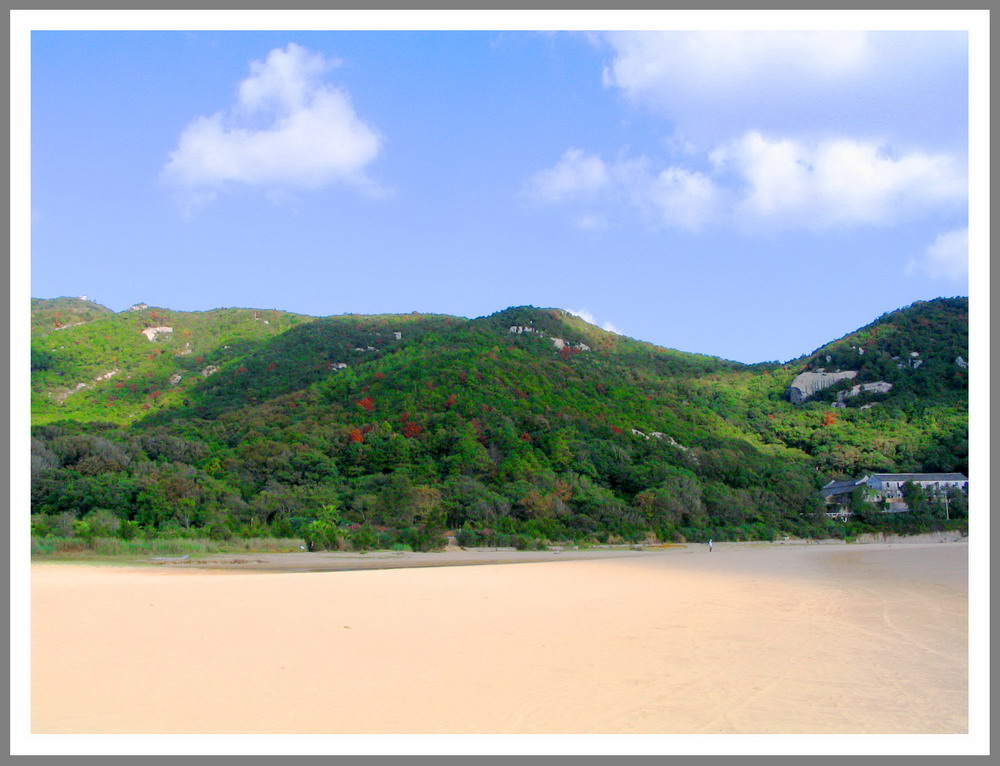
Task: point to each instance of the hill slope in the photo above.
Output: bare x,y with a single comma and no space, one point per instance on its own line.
528,420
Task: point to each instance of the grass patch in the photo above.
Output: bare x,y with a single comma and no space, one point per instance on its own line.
52,547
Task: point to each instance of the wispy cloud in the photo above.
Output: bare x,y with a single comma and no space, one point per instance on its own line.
589,318
947,257
288,129
576,174
673,196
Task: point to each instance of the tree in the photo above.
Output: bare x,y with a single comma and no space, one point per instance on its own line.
323,533
428,508
101,523
397,501
915,498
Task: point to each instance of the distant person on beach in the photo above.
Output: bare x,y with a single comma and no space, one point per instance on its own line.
709,546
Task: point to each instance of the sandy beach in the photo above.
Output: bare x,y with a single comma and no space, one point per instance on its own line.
767,639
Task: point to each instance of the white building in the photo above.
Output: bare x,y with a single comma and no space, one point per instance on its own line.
886,483
888,487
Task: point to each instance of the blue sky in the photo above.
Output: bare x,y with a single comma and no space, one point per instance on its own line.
750,195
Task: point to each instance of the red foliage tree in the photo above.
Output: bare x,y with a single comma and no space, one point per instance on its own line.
367,404
450,401
567,351
411,429
355,436
829,418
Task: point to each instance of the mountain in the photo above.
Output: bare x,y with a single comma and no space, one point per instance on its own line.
528,423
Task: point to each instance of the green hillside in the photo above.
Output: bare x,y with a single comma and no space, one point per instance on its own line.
52,314
107,369
519,427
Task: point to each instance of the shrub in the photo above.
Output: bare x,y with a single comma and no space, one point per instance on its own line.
363,539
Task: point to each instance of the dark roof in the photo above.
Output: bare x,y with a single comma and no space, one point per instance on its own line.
920,476
841,487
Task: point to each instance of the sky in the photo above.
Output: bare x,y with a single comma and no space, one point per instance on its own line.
746,194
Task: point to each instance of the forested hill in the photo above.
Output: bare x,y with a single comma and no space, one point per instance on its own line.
239,421
921,350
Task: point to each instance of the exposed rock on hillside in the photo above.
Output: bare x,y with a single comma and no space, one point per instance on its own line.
153,332
878,387
808,383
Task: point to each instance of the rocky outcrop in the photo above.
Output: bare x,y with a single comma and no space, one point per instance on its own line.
60,395
659,435
153,332
559,343
878,387
809,383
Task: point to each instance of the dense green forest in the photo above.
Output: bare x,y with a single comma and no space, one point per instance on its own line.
521,428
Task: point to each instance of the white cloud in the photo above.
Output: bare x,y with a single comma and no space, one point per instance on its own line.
662,67
682,198
610,327
288,129
576,174
673,196
839,182
711,86
763,184
947,257
589,318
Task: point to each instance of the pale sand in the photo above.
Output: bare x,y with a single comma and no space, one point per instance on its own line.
751,639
